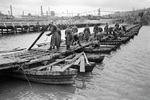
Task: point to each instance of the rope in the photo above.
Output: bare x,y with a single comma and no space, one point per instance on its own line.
21,67
27,78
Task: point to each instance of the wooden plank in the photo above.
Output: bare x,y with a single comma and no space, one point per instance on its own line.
77,56
42,67
86,58
36,55
82,64
67,66
77,62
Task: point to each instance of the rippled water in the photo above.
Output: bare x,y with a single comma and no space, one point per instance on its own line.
123,75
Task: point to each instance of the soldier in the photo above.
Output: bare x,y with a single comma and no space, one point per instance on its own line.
87,33
55,38
99,34
76,36
95,30
69,37
116,31
106,28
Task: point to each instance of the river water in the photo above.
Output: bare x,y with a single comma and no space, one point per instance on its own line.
123,75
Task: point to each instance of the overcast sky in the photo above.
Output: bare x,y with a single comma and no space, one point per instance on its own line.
73,6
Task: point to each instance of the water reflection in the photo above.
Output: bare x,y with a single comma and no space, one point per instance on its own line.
21,90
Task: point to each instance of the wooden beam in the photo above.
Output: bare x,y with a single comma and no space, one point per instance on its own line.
2,31
42,67
38,37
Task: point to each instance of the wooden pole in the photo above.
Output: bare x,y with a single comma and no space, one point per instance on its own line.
29,28
22,29
38,37
7,30
2,31
16,30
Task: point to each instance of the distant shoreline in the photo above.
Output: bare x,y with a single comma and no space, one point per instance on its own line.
59,21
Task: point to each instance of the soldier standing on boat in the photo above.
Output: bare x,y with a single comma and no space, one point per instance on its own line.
55,38
110,30
81,36
74,29
106,28
87,33
59,31
99,35
95,30
69,37
116,31
76,36
123,28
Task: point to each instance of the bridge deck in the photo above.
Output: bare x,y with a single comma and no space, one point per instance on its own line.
16,59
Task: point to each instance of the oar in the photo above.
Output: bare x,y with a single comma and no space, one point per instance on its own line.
38,37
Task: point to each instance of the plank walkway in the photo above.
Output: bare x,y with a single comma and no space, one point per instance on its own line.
35,55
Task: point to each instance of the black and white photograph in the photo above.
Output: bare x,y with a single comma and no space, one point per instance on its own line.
74,49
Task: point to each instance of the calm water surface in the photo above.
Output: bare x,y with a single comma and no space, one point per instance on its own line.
123,75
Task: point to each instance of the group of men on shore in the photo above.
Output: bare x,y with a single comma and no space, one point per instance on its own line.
73,37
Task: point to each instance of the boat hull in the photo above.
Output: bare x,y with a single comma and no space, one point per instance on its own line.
95,58
110,43
97,50
121,40
46,77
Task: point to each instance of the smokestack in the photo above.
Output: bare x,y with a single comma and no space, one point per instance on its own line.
11,11
41,11
8,13
99,12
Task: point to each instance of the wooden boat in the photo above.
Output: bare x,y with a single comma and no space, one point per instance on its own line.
108,46
131,36
136,32
131,32
110,43
97,50
53,76
95,58
57,72
60,71
89,66
99,45
121,39
92,49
